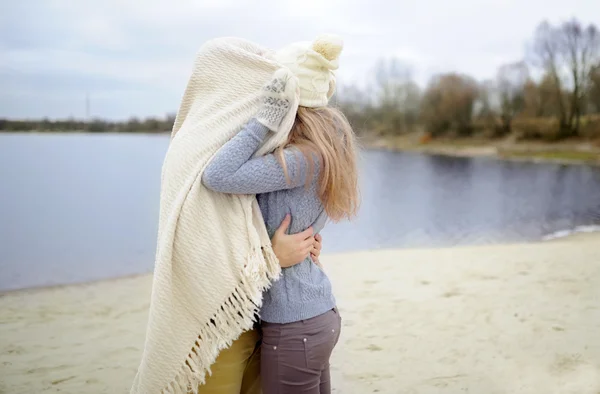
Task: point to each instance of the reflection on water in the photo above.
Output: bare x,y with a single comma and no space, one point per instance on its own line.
80,207
413,200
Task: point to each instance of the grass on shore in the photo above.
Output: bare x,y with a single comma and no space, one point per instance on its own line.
565,151
558,155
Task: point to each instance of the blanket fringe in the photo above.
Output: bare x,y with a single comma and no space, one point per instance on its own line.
236,315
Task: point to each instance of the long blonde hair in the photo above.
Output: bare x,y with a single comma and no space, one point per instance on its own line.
324,134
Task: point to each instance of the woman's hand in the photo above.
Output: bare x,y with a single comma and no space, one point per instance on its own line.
293,249
316,252
276,98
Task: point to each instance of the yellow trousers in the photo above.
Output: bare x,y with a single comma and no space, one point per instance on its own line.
237,369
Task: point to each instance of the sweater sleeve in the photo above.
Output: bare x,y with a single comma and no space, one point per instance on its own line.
233,170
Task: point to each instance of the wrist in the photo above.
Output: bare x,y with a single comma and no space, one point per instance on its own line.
268,125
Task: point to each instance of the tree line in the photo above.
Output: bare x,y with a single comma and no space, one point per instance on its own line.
552,93
148,125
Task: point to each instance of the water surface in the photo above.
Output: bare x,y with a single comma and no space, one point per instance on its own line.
78,207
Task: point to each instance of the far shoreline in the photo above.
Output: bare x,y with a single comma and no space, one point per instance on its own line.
562,153
86,132
578,152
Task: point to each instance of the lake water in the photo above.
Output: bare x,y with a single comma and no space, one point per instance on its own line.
80,207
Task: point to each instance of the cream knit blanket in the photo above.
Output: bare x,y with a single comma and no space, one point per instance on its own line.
214,256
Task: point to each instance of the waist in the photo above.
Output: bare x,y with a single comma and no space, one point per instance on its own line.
311,320
302,292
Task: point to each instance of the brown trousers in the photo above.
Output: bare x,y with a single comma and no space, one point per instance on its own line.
295,356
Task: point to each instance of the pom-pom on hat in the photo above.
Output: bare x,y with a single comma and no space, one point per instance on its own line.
313,64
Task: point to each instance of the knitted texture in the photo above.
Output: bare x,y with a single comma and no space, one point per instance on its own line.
276,99
313,64
303,291
214,256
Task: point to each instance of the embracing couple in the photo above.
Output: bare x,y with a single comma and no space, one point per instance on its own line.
281,343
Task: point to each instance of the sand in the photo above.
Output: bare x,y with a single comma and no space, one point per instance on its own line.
482,320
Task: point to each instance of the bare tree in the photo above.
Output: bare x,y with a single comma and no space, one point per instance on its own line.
581,49
397,97
567,54
545,53
510,82
542,99
593,95
486,109
448,104
355,104
390,76
486,103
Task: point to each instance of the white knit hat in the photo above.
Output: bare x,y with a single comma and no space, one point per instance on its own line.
313,64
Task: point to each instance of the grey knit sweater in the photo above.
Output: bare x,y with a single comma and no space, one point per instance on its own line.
303,290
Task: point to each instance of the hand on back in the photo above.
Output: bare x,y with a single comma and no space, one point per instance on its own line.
293,249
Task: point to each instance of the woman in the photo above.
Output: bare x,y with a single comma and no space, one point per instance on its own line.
237,368
313,178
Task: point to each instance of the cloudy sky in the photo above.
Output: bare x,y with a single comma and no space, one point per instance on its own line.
133,56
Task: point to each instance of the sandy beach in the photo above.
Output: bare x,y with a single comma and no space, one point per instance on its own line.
484,320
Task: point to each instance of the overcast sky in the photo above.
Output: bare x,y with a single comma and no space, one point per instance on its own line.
134,57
